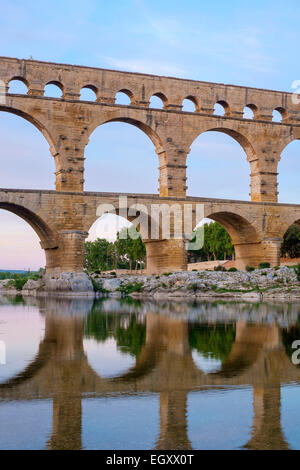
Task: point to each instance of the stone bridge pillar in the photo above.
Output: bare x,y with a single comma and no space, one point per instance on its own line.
69,155
272,247
165,256
173,421
172,170
267,432
264,165
65,335
248,254
72,250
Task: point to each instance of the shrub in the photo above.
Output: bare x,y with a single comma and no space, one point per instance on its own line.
193,287
276,268
97,285
194,269
219,268
297,270
17,283
129,288
167,274
232,270
264,265
249,269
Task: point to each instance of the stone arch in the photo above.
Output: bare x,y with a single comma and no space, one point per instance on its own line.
254,110
164,100
57,84
18,78
238,136
94,89
38,124
47,236
225,106
283,112
128,93
194,100
288,150
244,236
145,127
41,228
148,127
133,213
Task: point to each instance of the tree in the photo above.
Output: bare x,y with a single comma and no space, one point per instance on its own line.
217,243
130,246
291,242
99,255
126,252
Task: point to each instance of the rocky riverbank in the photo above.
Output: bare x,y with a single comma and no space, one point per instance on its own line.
258,285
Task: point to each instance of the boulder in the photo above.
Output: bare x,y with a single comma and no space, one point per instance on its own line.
69,282
111,284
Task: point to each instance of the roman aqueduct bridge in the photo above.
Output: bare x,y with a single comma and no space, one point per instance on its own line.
63,217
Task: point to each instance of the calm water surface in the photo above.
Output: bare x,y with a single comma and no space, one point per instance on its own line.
111,374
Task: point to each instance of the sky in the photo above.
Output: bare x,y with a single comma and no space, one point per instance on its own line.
251,43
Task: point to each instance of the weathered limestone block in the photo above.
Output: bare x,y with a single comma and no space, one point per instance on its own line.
77,283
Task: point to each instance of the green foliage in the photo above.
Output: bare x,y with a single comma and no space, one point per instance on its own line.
130,247
213,341
17,275
17,283
249,269
101,326
124,253
297,271
99,255
131,340
130,288
232,270
193,287
219,268
97,285
217,243
264,265
291,242
18,280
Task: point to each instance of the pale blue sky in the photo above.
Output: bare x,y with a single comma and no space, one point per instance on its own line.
249,43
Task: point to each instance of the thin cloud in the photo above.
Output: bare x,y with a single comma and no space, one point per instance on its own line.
144,66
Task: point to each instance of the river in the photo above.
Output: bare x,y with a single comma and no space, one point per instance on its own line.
128,374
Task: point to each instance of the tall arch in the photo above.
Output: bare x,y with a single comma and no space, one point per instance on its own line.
123,168
39,125
288,173
220,161
47,237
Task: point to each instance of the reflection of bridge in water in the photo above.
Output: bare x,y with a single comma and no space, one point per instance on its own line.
165,366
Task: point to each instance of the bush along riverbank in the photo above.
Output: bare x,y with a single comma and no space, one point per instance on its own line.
253,284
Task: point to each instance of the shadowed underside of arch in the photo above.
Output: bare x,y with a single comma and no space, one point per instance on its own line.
247,242
239,229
